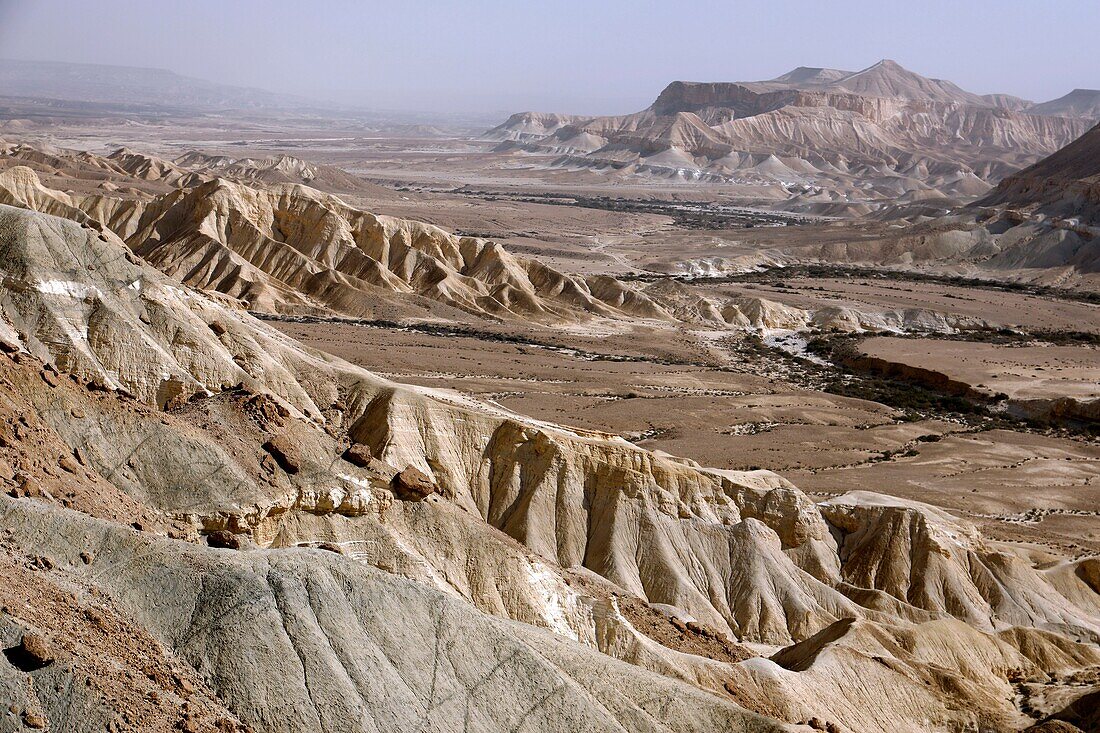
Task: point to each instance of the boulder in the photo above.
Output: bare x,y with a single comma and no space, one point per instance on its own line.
412,484
284,452
33,652
358,454
224,539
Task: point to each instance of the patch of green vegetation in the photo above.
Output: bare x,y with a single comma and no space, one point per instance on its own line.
870,273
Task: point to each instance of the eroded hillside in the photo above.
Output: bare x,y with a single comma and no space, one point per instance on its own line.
417,556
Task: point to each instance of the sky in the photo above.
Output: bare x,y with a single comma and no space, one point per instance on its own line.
590,57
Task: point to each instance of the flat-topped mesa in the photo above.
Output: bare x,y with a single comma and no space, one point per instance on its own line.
688,96
885,79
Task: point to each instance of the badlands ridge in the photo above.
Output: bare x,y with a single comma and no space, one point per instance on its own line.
816,137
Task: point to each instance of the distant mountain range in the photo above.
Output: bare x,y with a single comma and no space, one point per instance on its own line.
822,136
130,85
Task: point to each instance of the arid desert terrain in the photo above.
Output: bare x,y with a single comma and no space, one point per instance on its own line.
695,419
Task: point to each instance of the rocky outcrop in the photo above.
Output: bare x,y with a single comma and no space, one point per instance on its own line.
223,539
1057,410
902,372
1065,184
921,555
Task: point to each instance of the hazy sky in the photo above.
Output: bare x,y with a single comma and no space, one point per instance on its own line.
559,55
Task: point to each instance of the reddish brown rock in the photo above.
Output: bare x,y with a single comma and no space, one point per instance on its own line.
34,719
266,410
69,464
284,452
358,454
412,484
222,538
34,652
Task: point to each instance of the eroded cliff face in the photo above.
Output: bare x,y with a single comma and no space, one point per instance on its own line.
296,640
1065,184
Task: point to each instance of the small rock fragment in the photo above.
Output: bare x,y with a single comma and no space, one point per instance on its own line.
184,686
34,719
96,617
268,464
